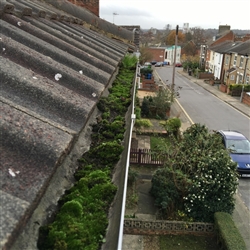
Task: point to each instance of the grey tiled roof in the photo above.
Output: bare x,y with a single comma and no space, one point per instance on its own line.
225,46
241,48
55,63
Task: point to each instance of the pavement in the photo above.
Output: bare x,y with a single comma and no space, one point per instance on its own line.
241,214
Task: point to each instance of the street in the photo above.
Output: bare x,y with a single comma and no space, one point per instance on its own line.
204,108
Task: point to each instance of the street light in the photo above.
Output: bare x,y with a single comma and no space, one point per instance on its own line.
114,14
173,76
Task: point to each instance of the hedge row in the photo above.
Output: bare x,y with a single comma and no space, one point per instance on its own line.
239,87
228,234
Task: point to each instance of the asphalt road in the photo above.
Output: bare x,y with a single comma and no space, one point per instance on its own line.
204,108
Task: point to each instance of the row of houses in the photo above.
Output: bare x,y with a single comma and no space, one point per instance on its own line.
227,59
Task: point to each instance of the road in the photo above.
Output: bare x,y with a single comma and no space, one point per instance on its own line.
204,108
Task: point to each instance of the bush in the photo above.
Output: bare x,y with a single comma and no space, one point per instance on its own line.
129,61
227,233
142,124
173,126
239,87
202,176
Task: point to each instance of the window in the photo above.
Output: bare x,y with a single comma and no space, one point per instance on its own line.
232,77
220,56
241,61
235,60
240,78
247,80
227,60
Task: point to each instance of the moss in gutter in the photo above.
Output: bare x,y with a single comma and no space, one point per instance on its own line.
82,220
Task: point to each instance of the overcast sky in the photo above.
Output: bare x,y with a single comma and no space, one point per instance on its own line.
158,13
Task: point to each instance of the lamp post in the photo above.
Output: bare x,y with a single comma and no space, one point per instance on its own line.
173,76
114,14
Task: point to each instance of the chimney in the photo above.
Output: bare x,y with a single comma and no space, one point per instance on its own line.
223,28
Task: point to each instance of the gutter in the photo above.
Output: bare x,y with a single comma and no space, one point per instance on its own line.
133,117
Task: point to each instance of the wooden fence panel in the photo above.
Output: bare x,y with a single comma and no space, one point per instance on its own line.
145,157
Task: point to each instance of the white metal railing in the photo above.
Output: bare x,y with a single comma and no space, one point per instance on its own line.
133,116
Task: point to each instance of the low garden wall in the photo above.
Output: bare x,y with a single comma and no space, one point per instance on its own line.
204,75
246,98
163,227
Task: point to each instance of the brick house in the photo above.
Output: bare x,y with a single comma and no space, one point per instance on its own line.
165,54
206,57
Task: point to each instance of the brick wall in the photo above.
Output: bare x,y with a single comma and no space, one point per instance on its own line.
91,5
246,98
157,54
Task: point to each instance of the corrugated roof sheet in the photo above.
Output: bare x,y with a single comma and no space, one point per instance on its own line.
53,70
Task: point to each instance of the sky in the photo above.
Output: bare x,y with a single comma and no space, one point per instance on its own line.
157,14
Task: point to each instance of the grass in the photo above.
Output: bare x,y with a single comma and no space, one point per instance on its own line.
188,242
156,141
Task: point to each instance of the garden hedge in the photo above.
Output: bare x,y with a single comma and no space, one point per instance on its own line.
228,234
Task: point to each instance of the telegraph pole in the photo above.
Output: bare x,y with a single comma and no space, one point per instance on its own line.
173,76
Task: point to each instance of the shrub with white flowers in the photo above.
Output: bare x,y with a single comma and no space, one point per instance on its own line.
199,176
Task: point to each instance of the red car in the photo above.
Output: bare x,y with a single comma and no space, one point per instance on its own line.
178,65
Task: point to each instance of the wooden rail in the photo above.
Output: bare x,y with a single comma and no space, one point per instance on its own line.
145,157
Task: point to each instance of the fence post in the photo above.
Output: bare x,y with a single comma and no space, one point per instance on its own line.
139,156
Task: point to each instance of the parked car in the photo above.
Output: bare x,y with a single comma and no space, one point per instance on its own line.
178,65
153,62
158,64
239,149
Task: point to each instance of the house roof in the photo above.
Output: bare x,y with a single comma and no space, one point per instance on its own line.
56,61
217,37
242,49
225,46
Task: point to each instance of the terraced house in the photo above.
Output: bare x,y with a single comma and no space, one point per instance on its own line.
57,60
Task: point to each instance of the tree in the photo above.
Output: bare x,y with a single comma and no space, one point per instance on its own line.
145,56
198,35
190,62
170,40
189,49
198,177
157,106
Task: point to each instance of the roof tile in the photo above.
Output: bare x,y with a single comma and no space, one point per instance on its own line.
53,70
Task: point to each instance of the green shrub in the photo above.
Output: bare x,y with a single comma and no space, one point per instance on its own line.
239,87
172,126
227,233
129,61
146,70
142,124
199,176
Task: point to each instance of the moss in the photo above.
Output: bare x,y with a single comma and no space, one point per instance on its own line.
82,219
